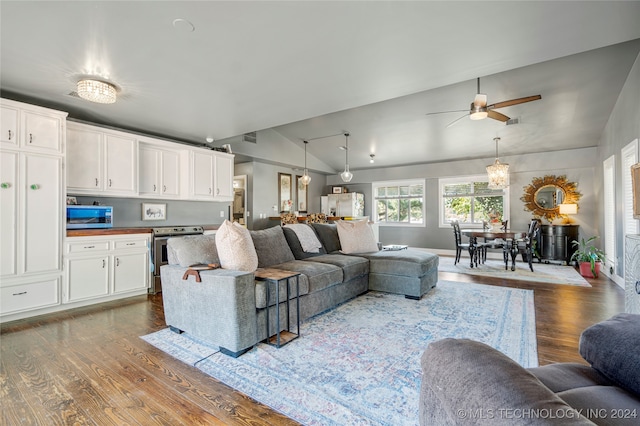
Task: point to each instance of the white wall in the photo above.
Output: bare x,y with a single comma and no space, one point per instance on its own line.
623,127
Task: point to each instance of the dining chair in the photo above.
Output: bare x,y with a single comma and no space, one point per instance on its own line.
523,245
493,243
288,218
474,249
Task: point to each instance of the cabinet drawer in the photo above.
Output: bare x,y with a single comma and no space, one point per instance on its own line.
29,296
87,247
127,244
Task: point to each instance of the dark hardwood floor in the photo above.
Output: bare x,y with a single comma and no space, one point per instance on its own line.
89,366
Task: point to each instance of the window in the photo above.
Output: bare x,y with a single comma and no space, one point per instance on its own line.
470,201
399,202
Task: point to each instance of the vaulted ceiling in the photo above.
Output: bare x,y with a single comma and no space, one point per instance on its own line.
307,69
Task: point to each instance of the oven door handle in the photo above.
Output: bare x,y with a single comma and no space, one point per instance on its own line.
152,267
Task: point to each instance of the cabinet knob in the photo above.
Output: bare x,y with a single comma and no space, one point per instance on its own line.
154,187
10,134
217,191
109,183
164,188
103,263
5,185
34,186
30,137
96,182
117,261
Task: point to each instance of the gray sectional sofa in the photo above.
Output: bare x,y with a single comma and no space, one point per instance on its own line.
227,308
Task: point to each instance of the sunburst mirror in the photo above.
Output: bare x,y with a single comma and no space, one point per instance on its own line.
543,196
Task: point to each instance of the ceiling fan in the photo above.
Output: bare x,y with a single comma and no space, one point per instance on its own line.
480,110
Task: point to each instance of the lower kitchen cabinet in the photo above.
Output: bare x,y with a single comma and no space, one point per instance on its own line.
106,267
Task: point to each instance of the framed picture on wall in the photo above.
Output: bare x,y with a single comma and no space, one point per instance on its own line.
154,211
285,193
302,198
635,188
336,190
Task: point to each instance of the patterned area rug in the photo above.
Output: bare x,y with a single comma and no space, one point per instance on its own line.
542,272
359,364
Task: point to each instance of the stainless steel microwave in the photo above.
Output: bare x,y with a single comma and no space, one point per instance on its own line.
81,217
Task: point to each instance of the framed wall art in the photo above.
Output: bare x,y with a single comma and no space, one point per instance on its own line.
302,196
154,211
285,192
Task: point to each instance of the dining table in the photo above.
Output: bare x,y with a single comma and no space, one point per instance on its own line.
509,247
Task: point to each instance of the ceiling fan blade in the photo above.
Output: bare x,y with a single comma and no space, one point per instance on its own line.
515,101
456,120
446,112
497,116
480,100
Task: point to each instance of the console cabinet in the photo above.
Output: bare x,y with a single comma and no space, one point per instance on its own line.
554,242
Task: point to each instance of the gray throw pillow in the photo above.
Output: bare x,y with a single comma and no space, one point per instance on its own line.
296,247
328,236
613,348
192,249
271,247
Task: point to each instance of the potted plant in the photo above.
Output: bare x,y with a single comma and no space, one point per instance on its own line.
588,256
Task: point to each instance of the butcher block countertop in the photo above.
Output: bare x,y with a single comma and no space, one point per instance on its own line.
122,231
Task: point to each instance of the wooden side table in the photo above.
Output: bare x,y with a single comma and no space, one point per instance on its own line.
273,277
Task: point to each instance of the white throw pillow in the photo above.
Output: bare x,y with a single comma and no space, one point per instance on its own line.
235,247
356,236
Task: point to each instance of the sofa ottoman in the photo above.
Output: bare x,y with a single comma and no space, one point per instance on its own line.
411,272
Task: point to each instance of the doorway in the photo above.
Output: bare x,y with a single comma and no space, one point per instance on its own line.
239,211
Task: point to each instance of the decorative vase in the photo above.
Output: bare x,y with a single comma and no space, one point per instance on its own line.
496,227
585,269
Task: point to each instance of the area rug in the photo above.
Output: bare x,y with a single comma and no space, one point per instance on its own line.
359,364
542,272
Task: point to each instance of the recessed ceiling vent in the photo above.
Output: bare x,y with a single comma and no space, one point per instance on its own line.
74,94
512,121
250,137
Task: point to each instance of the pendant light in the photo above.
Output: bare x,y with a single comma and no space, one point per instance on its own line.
346,176
498,172
305,179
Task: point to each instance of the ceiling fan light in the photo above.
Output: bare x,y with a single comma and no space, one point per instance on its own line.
96,91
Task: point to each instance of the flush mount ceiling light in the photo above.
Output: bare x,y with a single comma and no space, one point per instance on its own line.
498,172
346,176
305,179
97,91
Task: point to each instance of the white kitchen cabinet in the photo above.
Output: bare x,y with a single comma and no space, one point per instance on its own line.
202,164
224,177
211,176
8,212
101,161
100,268
31,218
159,171
9,125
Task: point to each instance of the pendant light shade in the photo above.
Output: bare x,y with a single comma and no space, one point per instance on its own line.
498,172
346,176
305,179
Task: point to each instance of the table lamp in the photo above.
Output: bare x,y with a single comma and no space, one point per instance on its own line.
567,209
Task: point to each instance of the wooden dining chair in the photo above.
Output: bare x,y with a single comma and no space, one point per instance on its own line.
523,245
474,249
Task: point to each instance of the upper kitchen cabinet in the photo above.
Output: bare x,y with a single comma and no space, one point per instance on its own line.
32,128
101,161
211,176
159,170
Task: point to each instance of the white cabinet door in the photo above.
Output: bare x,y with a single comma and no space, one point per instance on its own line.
130,271
121,165
42,212
224,178
9,125
170,174
84,160
202,175
8,212
42,132
87,278
149,171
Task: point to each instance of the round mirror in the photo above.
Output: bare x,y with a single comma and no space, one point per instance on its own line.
544,195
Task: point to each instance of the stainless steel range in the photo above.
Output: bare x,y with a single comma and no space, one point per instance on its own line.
159,249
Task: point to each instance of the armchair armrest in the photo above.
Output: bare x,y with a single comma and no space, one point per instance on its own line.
466,382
